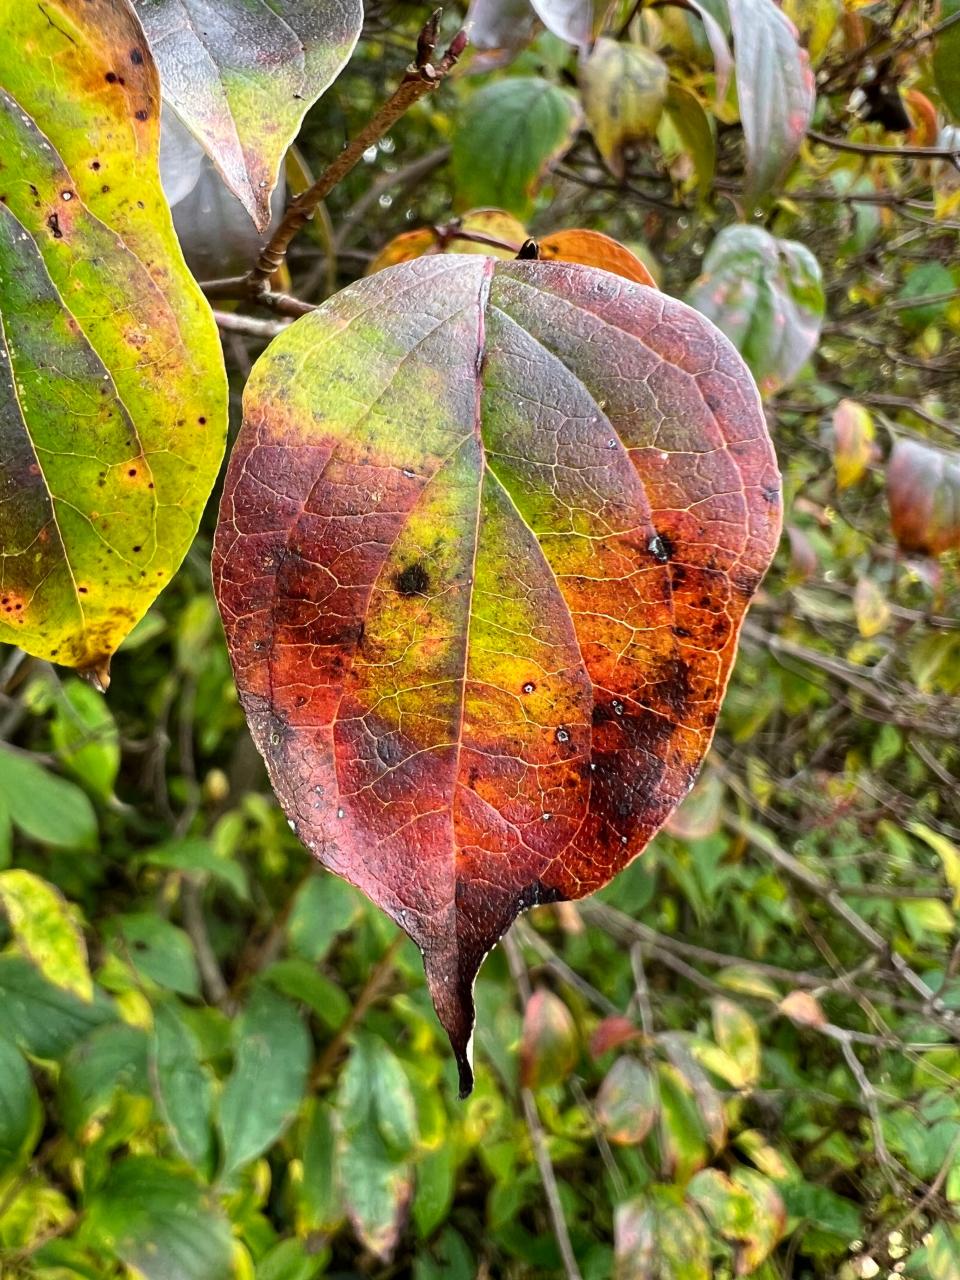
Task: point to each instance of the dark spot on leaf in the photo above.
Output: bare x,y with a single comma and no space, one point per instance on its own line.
413,580
111,77
142,114
53,222
202,421
94,164
136,57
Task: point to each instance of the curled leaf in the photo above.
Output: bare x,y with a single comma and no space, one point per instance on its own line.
624,90
767,297
775,89
923,490
487,538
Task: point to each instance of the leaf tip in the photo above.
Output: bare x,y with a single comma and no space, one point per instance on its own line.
97,673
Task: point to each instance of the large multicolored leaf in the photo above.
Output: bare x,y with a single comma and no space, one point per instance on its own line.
775,90
112,390
487,538
242,76
767,297
923,489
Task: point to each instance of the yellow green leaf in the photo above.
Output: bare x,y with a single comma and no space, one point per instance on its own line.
946,851
112,387
45,930
624,89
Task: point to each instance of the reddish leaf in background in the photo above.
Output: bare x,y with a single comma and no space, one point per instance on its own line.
487,538
923,489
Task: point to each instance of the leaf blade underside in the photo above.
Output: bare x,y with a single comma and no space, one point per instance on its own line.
483,553
112,387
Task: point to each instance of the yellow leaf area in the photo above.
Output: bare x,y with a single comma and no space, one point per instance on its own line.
112,387
43,926
500,235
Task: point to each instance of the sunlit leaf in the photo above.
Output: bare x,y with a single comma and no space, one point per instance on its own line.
624,90
241,78
511,134
594,249
86,738
946,851
113,436
443,716
803,1008
923,490
775,90
767,297
870,608
853,442
736,1034
45,930
745,1208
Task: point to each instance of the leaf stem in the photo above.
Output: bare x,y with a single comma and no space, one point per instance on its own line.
421,78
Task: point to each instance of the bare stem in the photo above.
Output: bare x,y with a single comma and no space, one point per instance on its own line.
421,78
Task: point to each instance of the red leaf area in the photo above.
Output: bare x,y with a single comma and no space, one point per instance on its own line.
487,538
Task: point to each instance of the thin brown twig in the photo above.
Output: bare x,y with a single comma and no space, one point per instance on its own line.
422,77
372,990
249,326
877,149
537,1137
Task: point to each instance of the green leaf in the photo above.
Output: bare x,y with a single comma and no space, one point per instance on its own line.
928,280
21,1116
183,1087
265,1089
549,1047
436,1187
946,851
736,1034
85,737
160,1223
319,1193
745,1208
693,128
158,950
242,77
289,1260
942,1252
946,58
44,807
775,90
377,1132
325,906
681,1127
45,1020
299,980
199,857
114,434
511,134
46,931
767,297
111,1058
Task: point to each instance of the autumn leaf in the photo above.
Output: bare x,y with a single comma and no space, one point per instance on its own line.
111,378
242,77
853,442
496,224
923,489
594,249
624,89
487,538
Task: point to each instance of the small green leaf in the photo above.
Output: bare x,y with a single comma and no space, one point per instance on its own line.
946,58
289,1260
21,1116
736,1034
160,1223
320,1198
695,131
299,980
158,950
377,1131
44,807
46,931
111,1058
45,1020
265,1089
325,906
512,133
624,90
199,856
85,737
183,1087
